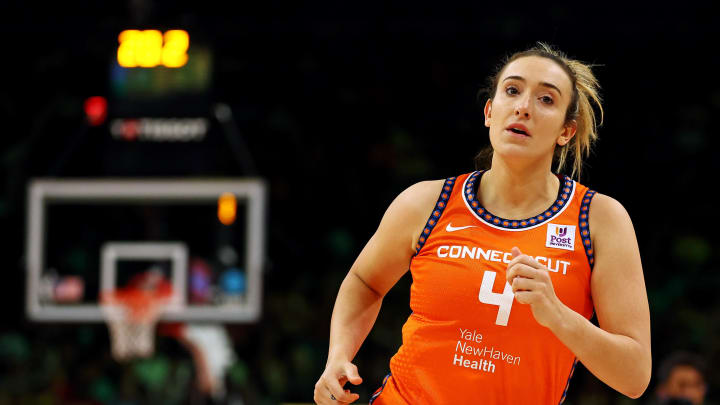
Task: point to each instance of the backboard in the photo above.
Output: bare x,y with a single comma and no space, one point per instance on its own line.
87,236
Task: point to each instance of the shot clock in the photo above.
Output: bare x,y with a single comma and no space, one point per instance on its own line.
155,72
160,105
151,48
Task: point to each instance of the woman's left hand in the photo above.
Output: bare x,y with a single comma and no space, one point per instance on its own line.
531,284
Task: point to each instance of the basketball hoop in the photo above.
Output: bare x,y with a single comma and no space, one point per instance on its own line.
132,314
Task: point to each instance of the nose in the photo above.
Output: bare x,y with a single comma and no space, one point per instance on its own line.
522,107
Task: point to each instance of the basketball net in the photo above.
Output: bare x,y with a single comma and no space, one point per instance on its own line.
132,313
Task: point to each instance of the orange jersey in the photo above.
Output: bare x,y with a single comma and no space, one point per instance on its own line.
468,341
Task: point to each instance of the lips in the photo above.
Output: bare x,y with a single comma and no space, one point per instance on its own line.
518,129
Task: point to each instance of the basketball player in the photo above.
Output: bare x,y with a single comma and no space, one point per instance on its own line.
508,264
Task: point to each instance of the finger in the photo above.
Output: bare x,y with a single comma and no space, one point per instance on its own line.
325,397
526,259
348,392
519,257
522,258
351,372
525,297
337,401
334,388
320,393
520,270
524,284
319,397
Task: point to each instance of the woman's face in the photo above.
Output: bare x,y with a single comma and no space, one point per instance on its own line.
527,115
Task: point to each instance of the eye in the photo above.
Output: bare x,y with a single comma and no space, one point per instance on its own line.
511,90
546,99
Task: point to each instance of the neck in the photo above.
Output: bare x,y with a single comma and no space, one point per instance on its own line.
518,192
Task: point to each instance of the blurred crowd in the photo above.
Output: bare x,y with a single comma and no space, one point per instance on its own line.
340,115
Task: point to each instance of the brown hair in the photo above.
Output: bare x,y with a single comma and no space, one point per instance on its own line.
585,94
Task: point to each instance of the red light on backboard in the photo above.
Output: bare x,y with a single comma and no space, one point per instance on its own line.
96,110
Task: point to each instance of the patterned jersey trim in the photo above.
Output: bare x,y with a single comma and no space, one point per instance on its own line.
585,227
379,390
567,385
437,212
565,195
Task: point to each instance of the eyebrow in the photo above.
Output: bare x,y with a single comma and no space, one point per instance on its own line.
545,84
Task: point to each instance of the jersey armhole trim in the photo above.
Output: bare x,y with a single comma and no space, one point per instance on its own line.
584,223
379,390
567,385
436,214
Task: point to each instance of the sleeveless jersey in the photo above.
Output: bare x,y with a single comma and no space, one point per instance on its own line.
467,340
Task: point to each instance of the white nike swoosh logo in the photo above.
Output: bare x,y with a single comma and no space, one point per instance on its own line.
451,228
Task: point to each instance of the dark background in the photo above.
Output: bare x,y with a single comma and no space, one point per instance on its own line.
342,106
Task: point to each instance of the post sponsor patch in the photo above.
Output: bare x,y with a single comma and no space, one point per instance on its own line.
560,236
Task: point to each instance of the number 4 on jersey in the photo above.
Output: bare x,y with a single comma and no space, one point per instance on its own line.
504,301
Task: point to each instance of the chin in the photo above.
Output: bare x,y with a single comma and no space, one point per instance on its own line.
514,151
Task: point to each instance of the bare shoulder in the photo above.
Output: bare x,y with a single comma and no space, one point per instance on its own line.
407,214
415,202
609,220
420,196
606,205
604,209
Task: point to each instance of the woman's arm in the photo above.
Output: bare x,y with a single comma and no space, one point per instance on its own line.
382,262
618,352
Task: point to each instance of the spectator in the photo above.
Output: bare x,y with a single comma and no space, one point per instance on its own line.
681,379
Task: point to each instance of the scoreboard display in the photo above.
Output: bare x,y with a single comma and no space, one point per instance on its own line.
157,73
160,109
150,48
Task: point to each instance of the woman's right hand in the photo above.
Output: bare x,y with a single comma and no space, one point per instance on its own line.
329,388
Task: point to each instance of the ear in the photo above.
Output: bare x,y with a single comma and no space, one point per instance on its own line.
567,133
488,109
